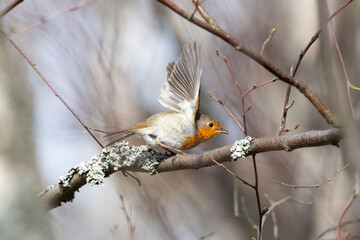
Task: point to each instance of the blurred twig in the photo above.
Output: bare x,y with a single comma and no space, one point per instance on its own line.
299,84
228,111
341,59
279,202
48,18
128,219
254,186
355,193
207,235
33,65
233,174
302,53
273,217
317,185
335,227
272,32
10,7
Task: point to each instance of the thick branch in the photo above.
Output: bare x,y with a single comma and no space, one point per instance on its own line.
299,84
53,196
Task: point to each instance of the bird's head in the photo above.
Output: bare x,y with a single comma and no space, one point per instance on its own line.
208,128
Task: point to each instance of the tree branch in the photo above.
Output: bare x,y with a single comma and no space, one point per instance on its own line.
10,7
330,118
53,196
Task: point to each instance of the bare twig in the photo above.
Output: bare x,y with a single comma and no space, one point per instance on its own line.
273,216
33,65
272,32
112,231
246,212
248,109
327,180
128,219
253,186
10,7
236,197
355,193
204,14
256,188
299,84
233,174
228,111
335,227
48,18
281,201
294,128
207,235
303,52
341,60
230,70
239,88
255,86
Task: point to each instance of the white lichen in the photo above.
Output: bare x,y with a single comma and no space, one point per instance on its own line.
118,156
48,188
241,148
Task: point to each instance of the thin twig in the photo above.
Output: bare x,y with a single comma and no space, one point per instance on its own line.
239,88
341,60
256,188
330,118
230,70
128,219
248,108
10,7
112,231
272,32
48,18
288,130
273,216
226,169
255,86
303,52
355,193
246,212
207,235
281,201
204,14
228,111
33,65
335,227
327,180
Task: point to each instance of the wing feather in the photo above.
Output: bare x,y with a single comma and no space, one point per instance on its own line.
180,92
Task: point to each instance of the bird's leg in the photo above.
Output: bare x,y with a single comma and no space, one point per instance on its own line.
166,147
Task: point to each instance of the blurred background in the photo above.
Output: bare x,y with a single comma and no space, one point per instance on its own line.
107,59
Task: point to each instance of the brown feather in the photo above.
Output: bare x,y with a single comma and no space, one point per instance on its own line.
117,136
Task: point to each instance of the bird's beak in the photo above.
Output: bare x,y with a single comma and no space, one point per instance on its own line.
221,130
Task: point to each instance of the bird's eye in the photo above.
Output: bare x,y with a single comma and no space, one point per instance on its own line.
211,125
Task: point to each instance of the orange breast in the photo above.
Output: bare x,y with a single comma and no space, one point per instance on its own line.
203,135
191,141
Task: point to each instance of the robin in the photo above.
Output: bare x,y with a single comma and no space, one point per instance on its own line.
182,127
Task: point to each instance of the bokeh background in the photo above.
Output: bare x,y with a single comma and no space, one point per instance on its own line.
107,59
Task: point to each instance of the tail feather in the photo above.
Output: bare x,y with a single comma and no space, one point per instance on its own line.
114,137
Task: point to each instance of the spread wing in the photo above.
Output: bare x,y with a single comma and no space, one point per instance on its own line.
180,91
